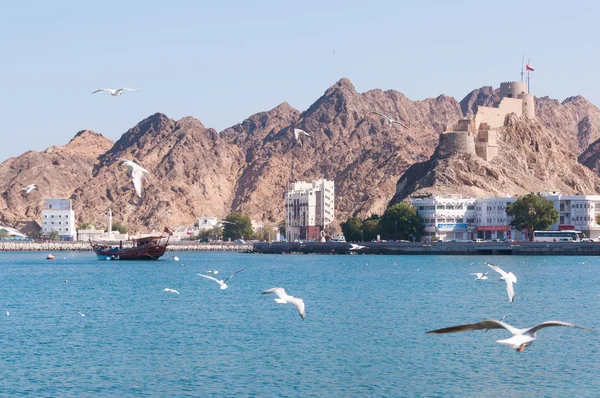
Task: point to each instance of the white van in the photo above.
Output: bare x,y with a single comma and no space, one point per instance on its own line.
339,238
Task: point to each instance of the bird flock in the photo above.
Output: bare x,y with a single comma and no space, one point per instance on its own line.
521,338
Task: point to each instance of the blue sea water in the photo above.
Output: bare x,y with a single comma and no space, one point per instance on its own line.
364,332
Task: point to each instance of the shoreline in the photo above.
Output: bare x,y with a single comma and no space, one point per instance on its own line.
12,246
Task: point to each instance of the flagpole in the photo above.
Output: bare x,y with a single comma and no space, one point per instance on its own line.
522,62
528,88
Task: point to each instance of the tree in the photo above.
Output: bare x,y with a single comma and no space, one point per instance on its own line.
54,235
237,226
401,221
4,234
117,226
532,212
353,229
370,229
85,225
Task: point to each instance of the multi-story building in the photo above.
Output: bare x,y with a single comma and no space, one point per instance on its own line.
309,209
454,217
58,215
448,218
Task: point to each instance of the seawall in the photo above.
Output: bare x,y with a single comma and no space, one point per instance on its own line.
437,248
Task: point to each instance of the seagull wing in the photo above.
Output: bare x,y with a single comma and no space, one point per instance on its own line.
488,324
382,115
512,277
400,123
478,274
211,278
127,89
136,175
510,289
231,276
299,303
102,89
498,270
279,291
556,323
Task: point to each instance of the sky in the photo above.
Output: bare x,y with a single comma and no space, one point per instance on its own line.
222,61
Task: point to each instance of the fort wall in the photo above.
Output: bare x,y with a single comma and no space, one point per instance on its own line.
454,142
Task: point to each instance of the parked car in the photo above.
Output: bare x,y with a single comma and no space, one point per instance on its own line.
240,241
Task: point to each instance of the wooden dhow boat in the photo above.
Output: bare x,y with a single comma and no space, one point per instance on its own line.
146,248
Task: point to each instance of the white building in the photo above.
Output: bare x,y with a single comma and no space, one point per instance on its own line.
58,215
207,223
12,233
257,225
309,209
453,217
447,218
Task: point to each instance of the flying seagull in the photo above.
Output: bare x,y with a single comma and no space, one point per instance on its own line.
482,276
354,246
521,337
300,136
166,289
215,272
390,121
175,258
223,282
114,92
81,313
284,299
509,278
137,172
29,188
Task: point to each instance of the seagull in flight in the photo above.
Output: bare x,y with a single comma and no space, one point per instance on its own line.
215,272
223,282
166,289
175,258
509,278
114,92
482,276
389,120
29,188
137,172
81,313
354,246
284,299
521,337
300,136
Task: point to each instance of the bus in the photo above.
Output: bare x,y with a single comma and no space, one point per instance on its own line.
557,236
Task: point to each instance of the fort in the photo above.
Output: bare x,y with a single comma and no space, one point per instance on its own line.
478,135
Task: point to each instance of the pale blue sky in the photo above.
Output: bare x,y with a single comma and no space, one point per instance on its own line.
222,61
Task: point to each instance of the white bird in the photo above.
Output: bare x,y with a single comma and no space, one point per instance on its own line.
354,246
81,313
223,283
300,136
482,276
509,278
223,222
215,272
29,188
284,299
137,172
114,92
521,337
175,258
390,121
166,289
7,313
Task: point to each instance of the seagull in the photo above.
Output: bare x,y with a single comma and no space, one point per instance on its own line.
137,172
300,135
521,337
501,319
215,272
114,92
284,299
29,188
354,246
482,276
81,313
390,121
223,283
175,258
166,289
7,313
223,222
509,278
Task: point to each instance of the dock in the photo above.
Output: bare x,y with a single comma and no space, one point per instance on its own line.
435,248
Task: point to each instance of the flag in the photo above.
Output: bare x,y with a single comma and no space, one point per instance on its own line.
167,230
527,67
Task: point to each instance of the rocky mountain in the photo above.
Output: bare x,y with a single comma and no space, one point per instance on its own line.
195,171
530,159
56,172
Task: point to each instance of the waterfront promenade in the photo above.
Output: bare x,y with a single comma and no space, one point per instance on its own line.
6,246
